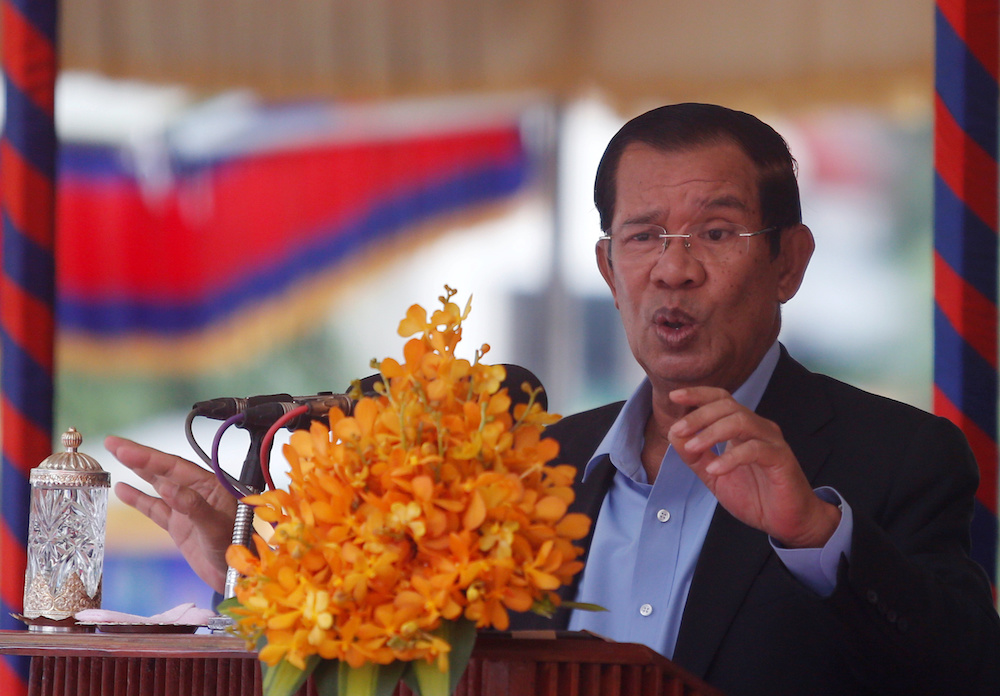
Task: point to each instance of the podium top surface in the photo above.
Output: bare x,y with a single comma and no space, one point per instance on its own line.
547,646
122,644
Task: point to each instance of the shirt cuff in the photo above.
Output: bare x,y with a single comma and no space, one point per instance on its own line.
817,568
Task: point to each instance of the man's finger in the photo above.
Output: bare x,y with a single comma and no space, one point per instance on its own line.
698,396
153,508
149,464
723,464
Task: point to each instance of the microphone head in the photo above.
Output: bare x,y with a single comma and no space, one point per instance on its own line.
516,376
368,385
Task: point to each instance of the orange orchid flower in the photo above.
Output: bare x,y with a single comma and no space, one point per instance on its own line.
430,502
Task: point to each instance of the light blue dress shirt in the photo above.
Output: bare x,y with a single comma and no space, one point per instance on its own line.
648,537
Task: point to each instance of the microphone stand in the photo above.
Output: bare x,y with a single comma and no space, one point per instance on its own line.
252,479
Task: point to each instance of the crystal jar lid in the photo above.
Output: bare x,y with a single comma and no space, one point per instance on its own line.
70,468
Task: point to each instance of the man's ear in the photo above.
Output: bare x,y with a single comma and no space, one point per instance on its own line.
797,246
603,251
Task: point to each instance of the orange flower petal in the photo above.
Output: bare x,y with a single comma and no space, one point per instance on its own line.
550,508
413,352
365,413
240,558
518,599
423,487
476,512
347,429
415,321
573,526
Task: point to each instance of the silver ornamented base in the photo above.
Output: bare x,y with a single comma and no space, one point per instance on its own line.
44,625
220,624
46,628
39,602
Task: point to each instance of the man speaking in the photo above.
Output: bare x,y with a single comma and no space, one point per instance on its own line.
771,530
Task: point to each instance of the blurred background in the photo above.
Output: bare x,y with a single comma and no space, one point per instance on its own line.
251,193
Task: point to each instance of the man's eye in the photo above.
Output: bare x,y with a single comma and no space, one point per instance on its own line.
717,234
643,234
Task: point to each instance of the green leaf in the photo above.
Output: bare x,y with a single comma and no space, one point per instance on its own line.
284,679
334,678
226,607
583,605
426,679
547,608
325,677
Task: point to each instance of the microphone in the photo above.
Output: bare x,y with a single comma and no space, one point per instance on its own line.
265,409
225,407
263,415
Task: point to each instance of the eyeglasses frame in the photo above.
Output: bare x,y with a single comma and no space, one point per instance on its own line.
667,236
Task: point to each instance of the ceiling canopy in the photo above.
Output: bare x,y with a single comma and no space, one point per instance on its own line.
759,53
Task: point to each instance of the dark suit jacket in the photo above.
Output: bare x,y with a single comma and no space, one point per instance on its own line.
911,614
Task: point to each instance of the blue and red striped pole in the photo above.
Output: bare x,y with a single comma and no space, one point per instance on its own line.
27,287
965,242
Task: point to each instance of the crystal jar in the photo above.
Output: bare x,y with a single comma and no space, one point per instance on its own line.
66,526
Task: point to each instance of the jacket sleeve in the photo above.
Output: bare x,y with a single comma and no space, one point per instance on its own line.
918,610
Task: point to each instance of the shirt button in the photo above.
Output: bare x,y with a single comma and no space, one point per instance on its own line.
646,609
663,515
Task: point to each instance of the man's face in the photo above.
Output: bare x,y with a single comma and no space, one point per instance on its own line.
688,322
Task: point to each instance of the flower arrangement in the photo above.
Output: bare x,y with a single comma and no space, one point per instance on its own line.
428,513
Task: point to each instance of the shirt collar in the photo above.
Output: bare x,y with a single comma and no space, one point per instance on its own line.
622,441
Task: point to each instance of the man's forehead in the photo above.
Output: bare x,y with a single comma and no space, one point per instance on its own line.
711,177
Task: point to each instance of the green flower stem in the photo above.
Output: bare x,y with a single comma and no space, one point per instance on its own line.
284,679
426,679
334,678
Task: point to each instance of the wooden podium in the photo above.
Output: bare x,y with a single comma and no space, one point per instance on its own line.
98,664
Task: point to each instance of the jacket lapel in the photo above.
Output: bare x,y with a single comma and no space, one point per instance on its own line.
733,553
591,491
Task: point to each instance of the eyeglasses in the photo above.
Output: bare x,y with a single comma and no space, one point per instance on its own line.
712,242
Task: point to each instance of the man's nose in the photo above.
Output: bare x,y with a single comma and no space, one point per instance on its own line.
676,266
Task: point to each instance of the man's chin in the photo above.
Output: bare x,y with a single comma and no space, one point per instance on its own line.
678,371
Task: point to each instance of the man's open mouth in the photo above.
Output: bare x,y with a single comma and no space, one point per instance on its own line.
673,319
